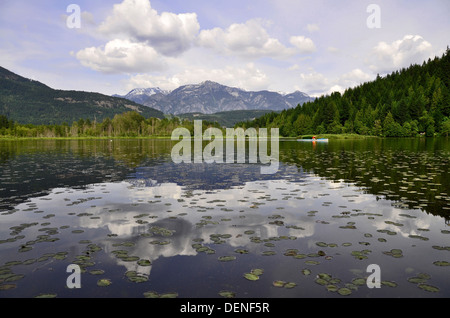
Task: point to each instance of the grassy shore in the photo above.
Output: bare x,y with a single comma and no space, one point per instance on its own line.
6,138
337,136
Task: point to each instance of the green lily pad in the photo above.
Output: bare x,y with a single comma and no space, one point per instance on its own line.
226,258
324,276
151,294
321,281
137,278
423,238
169,295
46,296
251,276
441,263
227,294
344,291
397,253
7,286
279,283
306,272
332,288
290,285
416,280
130,258
96,272
310,262
428,288
104,282
257,271
14,277
144,262
359,281
389,283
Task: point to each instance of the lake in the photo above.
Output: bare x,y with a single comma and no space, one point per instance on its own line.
138,225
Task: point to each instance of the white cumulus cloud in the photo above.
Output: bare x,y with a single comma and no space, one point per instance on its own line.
121,56
304,44
411,49
249,39
168,33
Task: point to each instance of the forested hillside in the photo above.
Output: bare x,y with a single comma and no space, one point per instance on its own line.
31,102
409,102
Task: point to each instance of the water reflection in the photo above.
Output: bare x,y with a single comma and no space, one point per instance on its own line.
333,209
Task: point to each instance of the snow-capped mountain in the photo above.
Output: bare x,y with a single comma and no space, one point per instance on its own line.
210,97
139,95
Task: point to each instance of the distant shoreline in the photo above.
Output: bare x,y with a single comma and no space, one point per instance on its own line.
282,138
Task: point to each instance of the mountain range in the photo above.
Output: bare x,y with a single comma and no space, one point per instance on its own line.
31,102
210,97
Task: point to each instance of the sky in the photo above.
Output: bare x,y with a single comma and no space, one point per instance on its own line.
315,46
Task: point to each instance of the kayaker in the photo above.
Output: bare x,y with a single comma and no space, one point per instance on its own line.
314,138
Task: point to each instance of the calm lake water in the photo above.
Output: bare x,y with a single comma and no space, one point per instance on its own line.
128,216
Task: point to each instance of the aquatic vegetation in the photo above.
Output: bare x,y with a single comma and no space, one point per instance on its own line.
46,296
441,263
428,288
135,277
251,276
344,291
104,282
325,215
227,294
144,262
360,254
226,258
397,253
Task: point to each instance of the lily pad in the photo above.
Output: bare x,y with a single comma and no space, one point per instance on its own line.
359,281
290,285
279,283
46,296
428,288
104,282
321,281
416,280
251,276
441,263
389,283
344,291
332,288
226,258
7,286
306,271
169,295
310,262
227,294
257,271
144,262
